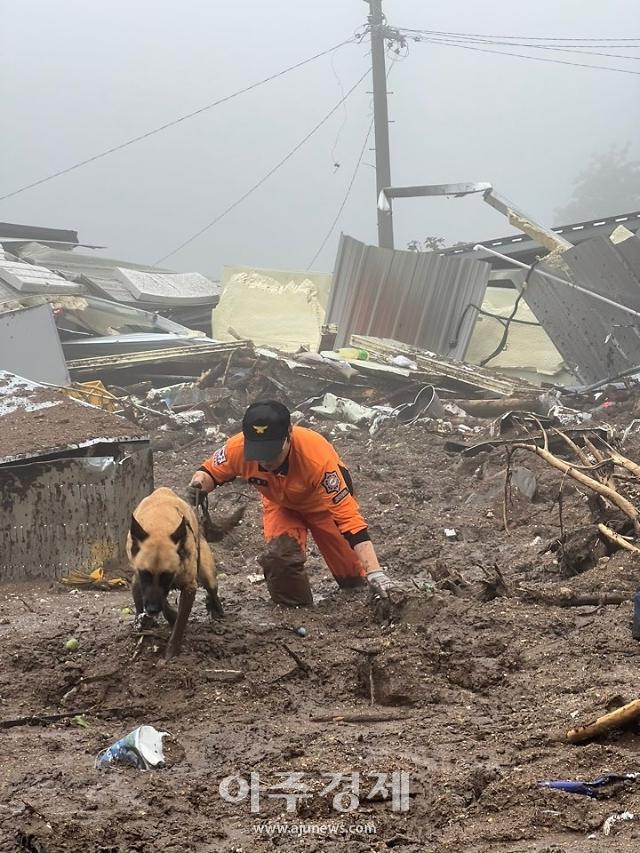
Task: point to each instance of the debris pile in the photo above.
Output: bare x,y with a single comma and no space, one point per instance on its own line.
509,513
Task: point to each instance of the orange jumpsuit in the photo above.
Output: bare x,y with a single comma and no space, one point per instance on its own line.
308,493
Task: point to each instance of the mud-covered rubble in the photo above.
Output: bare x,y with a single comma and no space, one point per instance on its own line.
354,394
506,642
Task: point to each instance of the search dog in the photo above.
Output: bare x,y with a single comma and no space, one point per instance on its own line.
167,550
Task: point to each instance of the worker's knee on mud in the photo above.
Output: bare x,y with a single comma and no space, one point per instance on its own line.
282,555
283,564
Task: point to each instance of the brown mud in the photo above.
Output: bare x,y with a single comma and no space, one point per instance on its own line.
483,682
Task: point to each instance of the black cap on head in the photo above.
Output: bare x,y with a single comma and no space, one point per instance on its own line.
265,427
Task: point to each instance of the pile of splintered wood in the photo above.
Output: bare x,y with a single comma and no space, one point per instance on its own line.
599,469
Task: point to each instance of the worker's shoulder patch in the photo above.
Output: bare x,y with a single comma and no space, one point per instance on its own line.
331,482
220,456
344,493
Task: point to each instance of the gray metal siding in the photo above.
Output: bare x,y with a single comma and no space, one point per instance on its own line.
595,339
417,298
66,514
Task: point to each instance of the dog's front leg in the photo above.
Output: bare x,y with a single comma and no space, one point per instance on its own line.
187,597
136,591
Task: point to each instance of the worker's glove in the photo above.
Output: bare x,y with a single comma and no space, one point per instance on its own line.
380,583
196,495
386,597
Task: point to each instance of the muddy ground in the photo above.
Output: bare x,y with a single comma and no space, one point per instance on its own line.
484,688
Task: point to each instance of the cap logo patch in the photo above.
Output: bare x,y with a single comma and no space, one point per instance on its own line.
260,429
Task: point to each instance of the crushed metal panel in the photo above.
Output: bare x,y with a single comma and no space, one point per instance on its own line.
195,353
527,249
6,291
69,514
452,373
36,421
107,287
169,288
124,281
13,231
29,278
517,219
129,342
105,317
595,339
630,251
76,262
529,353
412,297
42,362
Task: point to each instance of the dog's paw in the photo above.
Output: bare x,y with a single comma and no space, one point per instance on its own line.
215,609
170,654
144,621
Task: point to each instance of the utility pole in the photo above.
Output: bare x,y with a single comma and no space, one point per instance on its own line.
381,119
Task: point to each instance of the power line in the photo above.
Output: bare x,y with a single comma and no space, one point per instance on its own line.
353,176
526,38
524,56
345,199
269,173
177,120
583,50
578,50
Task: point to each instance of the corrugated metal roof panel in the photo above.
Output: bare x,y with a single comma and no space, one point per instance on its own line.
108,288
575,233
418,298
13,231
28,278
124,281
169,288
75,261
595,339
6,291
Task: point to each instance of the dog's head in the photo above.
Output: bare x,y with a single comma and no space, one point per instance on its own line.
156,558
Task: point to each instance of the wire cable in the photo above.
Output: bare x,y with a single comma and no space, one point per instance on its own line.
526,38
577,50
505,334
269,173
345,199
524,56
355,172
582,50
176,121
344,117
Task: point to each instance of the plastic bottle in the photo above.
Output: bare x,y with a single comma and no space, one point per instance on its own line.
353,353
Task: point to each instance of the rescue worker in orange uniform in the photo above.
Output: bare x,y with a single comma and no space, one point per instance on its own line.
305,488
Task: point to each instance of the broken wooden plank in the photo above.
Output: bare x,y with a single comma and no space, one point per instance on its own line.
617,719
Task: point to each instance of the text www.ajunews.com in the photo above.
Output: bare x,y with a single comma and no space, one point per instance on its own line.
314,829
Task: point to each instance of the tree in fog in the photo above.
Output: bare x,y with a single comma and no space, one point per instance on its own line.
431,244
610,184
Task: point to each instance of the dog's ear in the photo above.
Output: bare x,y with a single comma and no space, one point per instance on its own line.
138,533
180,533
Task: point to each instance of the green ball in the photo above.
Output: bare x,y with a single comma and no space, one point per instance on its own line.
71,644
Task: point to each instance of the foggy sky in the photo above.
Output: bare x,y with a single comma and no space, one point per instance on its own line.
78,77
